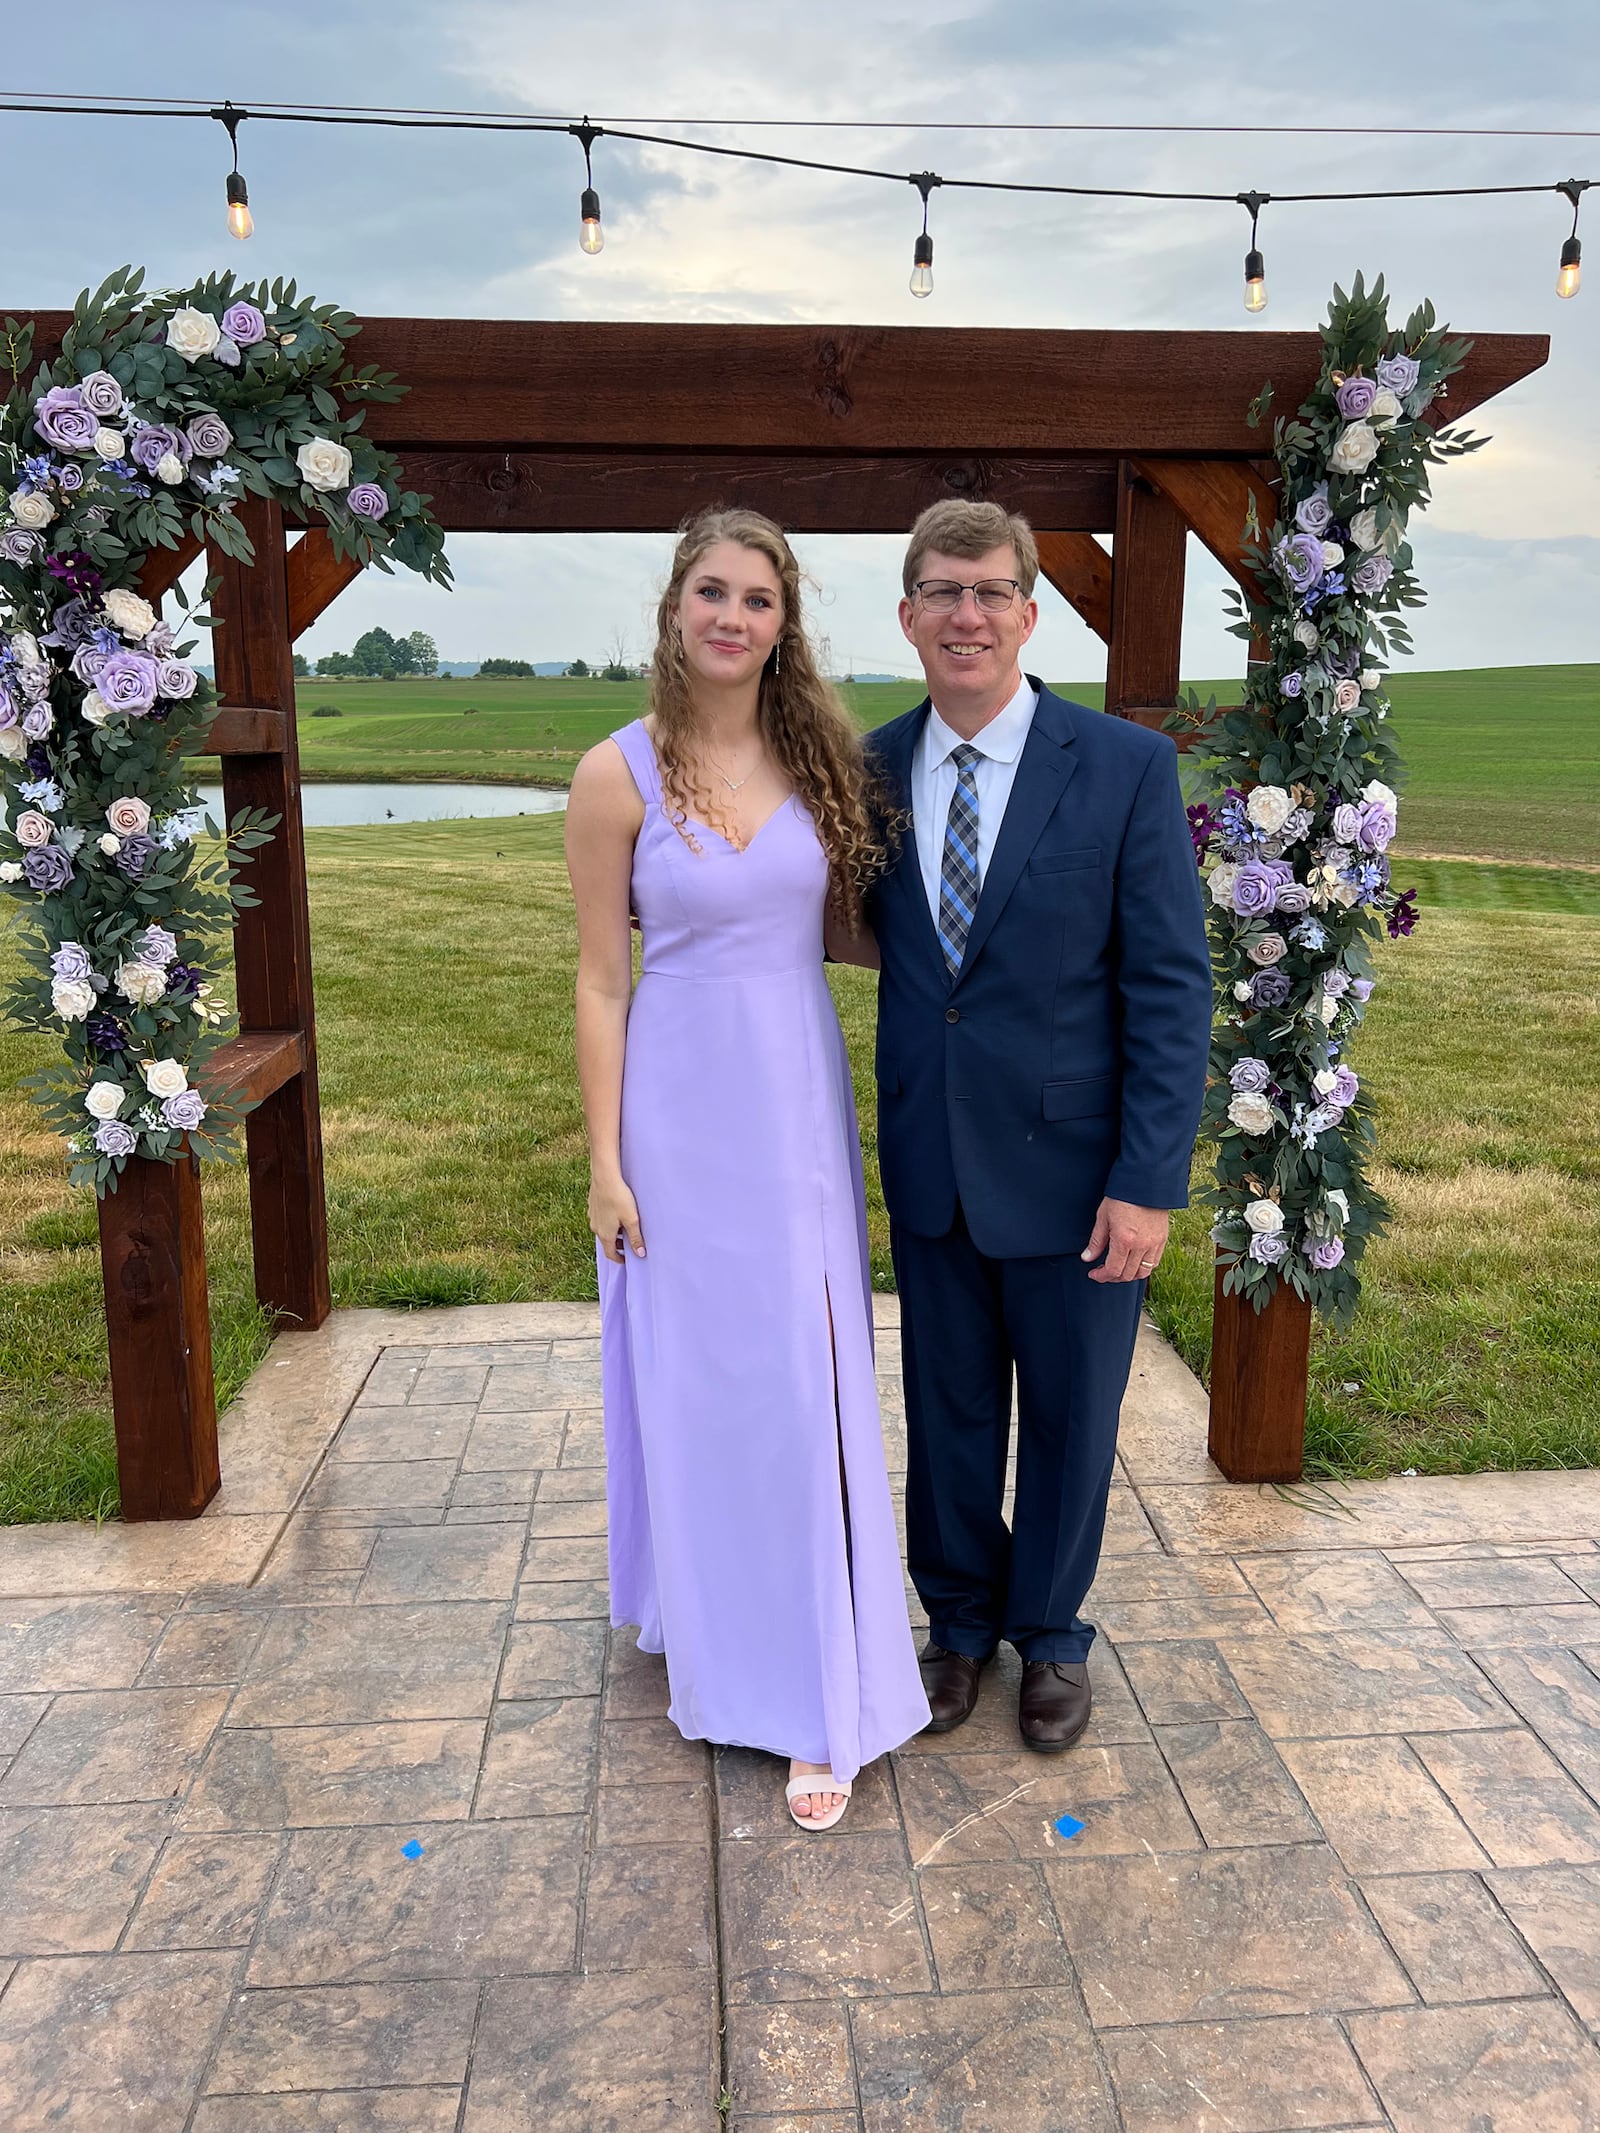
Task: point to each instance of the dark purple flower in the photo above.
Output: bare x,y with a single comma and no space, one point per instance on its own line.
1300,560
127,682
1355,397
1313,513
61,419
1325,1254
48,868
183,981
1269,988
1399,373
243,324
76,571
152,441
367,500
135,856
1403,917
38,761
1344,661
106,1035
1202,829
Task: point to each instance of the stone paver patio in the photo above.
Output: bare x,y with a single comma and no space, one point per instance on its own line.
341,1810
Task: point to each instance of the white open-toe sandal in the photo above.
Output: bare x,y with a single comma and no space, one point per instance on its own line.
816,1781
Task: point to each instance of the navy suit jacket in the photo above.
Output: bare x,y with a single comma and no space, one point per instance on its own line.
1067,1062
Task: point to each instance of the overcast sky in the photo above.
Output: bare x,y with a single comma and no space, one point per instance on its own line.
486,226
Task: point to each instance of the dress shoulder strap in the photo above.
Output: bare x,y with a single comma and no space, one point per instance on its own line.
639,753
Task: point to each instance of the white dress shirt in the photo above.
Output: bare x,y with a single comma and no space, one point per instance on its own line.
933,783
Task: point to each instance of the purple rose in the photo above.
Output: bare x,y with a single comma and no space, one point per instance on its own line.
71,961
1325,1254
1355,397
367,500
1269,1251
209,434
1314,513
243,324
112,1137
1377,825
135,855
1399,373
71,625
1347,821
152,441
127,682
1293,682
1294,897
1249,1077
1362,988
156,945
48,868
18,545
1269,988
1345,1088
1336,982
87,662
36,723
158,642
1255,888
61,419
101,394
185,1110
1300,559
1372,573
175,679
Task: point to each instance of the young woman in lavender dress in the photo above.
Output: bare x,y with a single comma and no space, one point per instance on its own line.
751,1533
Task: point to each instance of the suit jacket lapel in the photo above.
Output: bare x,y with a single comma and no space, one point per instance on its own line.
1043,774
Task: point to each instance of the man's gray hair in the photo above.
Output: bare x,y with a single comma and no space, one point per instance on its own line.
966,529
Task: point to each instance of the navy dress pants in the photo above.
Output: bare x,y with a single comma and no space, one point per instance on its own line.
966,1321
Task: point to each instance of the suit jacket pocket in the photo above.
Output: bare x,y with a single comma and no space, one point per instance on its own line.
1087,855
1090,1096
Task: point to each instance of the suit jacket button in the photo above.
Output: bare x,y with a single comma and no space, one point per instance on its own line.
952,1014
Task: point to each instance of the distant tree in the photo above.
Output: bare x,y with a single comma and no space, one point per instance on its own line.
424,653
302,667
507,669
373,655
579,670
335,664
614,670
327,711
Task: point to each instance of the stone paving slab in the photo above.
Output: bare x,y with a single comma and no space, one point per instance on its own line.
344,1810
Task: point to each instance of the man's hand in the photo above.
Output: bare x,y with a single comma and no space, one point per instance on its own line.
1128,1241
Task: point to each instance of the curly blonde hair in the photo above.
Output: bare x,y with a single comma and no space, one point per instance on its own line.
806,728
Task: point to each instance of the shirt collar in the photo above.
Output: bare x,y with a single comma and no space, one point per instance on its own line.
1001,740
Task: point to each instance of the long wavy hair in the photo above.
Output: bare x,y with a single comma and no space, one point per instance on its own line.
806,728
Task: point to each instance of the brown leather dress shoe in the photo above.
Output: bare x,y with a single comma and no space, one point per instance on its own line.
1053,1708
950,1680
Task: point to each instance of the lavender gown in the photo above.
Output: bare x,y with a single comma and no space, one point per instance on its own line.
729,1478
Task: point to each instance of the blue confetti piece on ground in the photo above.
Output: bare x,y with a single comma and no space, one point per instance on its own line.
1067,1825
413,1850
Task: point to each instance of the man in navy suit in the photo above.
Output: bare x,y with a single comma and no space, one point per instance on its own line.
1044,1014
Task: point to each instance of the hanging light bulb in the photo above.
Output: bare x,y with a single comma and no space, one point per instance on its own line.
591,237
922,250
240,220
1571,273
1255,267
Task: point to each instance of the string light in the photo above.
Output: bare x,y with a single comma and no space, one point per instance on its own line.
1571,273
240,220
591,237
922,250
1255,269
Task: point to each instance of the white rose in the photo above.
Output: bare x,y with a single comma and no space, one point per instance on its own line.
1324,1082
32,829
72,998
141,983
1241,988
324,464
1332,555
26,646
13,743
109,443
1252,1113
1328,1007
129,816
1370,677
10,870
1306,633
164,1077
169,468
104,1099
1364,528
1339,1201
1385,410
1265,1217
1379,792
1354,449
193,333
1269,808
33,510
128,612
110,845
1221,880
95,708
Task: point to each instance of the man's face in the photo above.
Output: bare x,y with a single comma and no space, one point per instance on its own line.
969,652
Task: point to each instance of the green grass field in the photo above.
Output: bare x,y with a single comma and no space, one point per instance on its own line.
1479,784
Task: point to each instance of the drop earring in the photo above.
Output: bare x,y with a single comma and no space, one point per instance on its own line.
777,657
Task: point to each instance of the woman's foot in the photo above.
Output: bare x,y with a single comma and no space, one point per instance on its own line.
818,1809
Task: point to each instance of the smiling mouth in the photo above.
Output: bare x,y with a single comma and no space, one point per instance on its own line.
965,651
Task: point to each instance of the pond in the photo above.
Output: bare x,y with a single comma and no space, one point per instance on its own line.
341,806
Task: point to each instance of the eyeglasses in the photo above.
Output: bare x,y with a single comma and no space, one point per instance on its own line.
942,596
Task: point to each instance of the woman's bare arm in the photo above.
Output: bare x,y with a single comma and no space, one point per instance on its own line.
843,946
604,814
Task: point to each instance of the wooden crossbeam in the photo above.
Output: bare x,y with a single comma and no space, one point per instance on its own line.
248,729
1080,570
316,578
1214,496
163,567
250,1067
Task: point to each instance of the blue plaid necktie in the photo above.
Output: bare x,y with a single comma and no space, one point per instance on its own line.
958,872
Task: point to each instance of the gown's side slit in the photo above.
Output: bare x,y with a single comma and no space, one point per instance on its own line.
838,1434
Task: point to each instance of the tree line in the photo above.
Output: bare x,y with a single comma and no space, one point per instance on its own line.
378,656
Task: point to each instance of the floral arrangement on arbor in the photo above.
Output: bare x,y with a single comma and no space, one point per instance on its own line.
161,413
1295,845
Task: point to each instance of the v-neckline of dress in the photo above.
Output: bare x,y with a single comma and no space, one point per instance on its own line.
710,827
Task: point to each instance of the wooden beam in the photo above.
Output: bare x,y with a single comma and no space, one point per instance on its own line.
272,940
632,491
316,577
158,1330
163,567
1147,559
1259,1363
560,382
1080,570
252,1067
247,729
1214,496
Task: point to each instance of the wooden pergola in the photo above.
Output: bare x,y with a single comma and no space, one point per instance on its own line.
537,427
